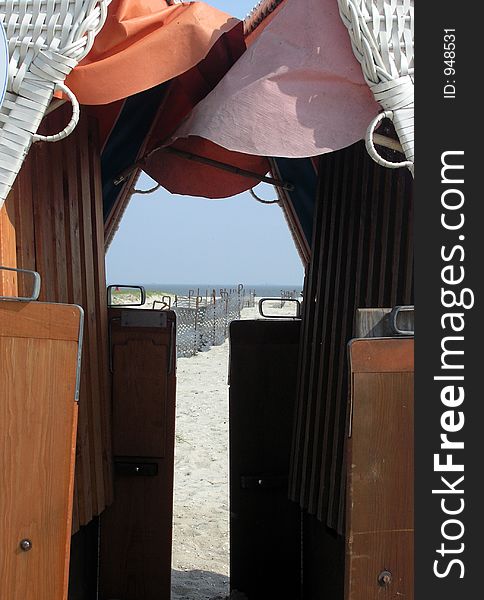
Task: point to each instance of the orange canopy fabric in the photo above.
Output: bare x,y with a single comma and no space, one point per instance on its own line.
143,44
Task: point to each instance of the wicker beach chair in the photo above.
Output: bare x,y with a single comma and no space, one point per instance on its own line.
382,37
46,40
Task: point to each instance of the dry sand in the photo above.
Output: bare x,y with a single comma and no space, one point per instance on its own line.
201,508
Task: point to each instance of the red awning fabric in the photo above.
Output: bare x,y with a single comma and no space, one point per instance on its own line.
144,43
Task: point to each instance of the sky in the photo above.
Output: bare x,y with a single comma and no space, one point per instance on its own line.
236,8
166,238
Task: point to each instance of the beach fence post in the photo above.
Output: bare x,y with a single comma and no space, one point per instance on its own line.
226,307
240,298
190,294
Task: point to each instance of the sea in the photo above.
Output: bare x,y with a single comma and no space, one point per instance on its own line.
272,290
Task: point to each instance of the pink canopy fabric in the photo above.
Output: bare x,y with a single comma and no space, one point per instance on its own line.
297,91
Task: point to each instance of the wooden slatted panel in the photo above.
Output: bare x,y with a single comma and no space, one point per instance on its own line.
55,210
38,415
361,257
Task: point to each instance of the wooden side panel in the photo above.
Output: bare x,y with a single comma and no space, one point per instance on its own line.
380,471
55,209
38,417
265,527
361,257
136,530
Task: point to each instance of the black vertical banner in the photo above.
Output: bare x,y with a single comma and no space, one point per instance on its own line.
449,275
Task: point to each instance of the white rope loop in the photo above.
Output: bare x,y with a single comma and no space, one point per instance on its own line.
370,145
46,40
69,128
382,34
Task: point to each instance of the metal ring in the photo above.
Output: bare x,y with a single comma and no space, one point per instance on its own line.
394,316
261,200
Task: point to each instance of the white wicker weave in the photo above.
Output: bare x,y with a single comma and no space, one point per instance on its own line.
46,40
382,37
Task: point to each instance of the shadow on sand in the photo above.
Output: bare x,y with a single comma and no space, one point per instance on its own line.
198,585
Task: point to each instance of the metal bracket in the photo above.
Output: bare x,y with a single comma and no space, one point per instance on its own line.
135,469
394,317
263,482
36,288
144,318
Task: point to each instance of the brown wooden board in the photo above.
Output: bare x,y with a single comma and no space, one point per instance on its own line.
39,361
379,525
142,359
265,527
136,530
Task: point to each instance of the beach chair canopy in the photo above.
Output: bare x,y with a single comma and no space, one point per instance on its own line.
177,88
298,90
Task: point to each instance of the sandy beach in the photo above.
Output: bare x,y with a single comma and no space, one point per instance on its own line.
201,507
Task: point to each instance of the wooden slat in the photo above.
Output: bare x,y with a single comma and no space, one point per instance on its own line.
319,498
337,484
76,290
307,356
8,255
43,219
101,312
91,343
24,227
56,187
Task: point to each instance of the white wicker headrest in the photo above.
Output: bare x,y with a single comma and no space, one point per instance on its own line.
46,39
382,37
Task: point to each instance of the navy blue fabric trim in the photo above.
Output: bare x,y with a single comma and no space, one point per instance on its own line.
123,146
301,173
